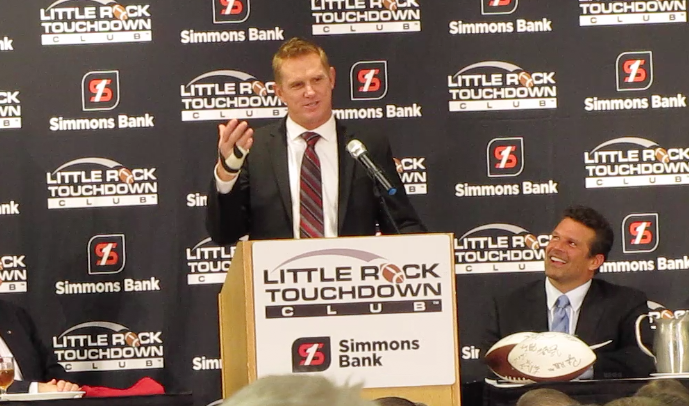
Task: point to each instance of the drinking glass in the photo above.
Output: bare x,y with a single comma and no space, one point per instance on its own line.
6,373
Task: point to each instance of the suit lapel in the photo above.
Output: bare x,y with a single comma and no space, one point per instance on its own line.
278,158
536,309
345,173
590,314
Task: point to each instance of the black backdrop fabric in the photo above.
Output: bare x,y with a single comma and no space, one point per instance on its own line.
500,112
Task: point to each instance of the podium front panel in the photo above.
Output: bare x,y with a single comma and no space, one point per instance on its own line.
371,310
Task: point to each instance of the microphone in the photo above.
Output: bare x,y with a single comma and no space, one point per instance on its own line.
358,151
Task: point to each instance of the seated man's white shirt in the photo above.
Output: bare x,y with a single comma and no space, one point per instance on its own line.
576,299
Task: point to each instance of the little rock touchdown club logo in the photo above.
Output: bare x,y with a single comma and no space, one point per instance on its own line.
499,86
345,17
100,182
227,94
74,22
635,162
369,285
108,346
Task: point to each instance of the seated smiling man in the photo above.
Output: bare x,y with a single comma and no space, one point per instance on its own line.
569,299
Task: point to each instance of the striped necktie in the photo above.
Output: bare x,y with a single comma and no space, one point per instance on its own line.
311,191
560,316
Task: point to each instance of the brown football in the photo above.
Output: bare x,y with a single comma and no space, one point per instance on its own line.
119,12
532,242
525,79
392,273
132,339
662,155
126,175
390,4
259,88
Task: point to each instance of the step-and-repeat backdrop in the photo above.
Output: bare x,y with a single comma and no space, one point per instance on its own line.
501,113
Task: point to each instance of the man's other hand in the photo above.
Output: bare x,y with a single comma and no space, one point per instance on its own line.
57,386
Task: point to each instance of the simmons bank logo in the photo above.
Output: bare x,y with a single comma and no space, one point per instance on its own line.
499,248
100,182
640,233
314,354
368,82
10,110
412,172
495,10
361,283
635,162
496,86
342,17
208,263
75,22
231,12
505,159
107,346
100,91
106,256
228,94
635,74
311,354
13,274
611,12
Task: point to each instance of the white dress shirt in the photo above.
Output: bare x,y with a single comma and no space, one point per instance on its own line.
576,299
326,148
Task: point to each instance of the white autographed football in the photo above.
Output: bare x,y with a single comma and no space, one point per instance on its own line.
551,356
496,357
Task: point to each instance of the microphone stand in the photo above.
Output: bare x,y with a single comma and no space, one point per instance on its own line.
386,210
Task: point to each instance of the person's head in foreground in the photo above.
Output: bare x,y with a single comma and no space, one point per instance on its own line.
635,401
545,397
662,386
396,401
297,390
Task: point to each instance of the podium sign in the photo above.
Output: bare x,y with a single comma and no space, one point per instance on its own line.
373,310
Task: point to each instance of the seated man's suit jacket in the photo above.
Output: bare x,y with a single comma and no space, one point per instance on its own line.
607,313
36,361
260,203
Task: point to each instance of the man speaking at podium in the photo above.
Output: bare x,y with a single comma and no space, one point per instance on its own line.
571,300
293,178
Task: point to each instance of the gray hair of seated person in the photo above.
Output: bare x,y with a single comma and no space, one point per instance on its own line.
545,397
635,401
662,386
297,390
396,401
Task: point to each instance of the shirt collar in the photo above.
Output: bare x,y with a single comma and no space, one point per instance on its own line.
575,296
327,130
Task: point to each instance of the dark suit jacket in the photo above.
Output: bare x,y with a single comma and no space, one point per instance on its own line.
260,204
607,313
36,361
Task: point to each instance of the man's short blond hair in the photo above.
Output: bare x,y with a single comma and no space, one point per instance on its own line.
294,48
297,390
